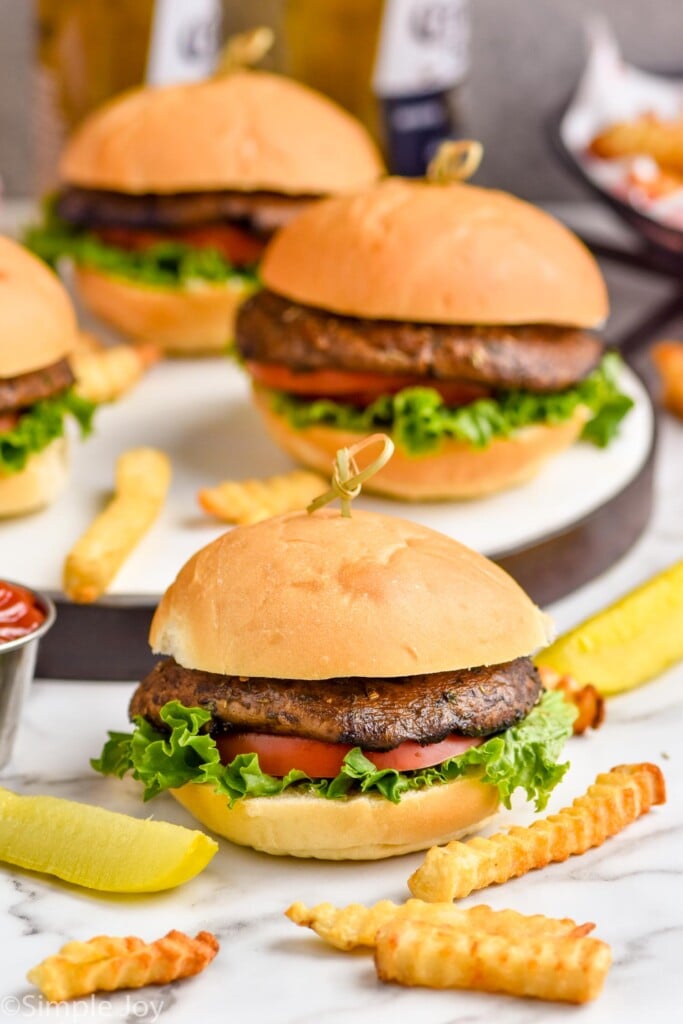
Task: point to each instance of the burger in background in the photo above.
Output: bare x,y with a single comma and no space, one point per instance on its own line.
455,318
37,333
170,195
370,693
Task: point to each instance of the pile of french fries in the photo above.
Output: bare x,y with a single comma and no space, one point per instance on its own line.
430,942
438,945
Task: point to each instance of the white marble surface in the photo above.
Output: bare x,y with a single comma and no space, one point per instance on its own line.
269,972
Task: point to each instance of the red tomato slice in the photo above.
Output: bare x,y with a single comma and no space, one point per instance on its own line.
238,246
8,421
357,388
279,754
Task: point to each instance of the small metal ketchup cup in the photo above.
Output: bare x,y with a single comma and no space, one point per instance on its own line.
18,605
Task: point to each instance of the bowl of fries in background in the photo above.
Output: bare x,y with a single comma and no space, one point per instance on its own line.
621,133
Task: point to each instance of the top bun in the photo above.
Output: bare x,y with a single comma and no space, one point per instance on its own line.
37,320
247,130
437,253
323,596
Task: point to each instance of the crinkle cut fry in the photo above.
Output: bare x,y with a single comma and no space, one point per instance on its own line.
612,802
356,925
251,501
108,373
105,964
561,968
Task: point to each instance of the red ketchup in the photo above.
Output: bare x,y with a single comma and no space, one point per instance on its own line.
19,612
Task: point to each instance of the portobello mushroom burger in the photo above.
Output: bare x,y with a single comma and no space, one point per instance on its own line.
169,195
457,319
343,688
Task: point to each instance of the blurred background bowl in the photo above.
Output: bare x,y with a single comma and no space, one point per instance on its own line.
664,241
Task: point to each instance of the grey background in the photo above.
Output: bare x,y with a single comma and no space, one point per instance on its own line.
526,56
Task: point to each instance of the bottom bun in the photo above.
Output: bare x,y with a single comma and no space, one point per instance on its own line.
40,482
355,828
181,321
456,470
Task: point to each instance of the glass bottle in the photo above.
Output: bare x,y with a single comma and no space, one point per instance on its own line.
89,50
396,64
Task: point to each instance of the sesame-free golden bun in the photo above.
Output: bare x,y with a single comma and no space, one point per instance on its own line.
246,130
37,320
357,828
323,596
456,470
181,321
436,253
37,329
42,479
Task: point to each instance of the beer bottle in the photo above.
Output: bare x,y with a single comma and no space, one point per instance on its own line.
396,64
89,50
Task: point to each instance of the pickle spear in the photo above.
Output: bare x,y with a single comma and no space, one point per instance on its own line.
96,848
636,638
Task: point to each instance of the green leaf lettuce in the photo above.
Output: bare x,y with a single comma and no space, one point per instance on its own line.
523,757
419,420
165,265
41,424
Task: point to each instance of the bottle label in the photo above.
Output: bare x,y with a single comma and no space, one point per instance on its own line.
184,41
423,47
